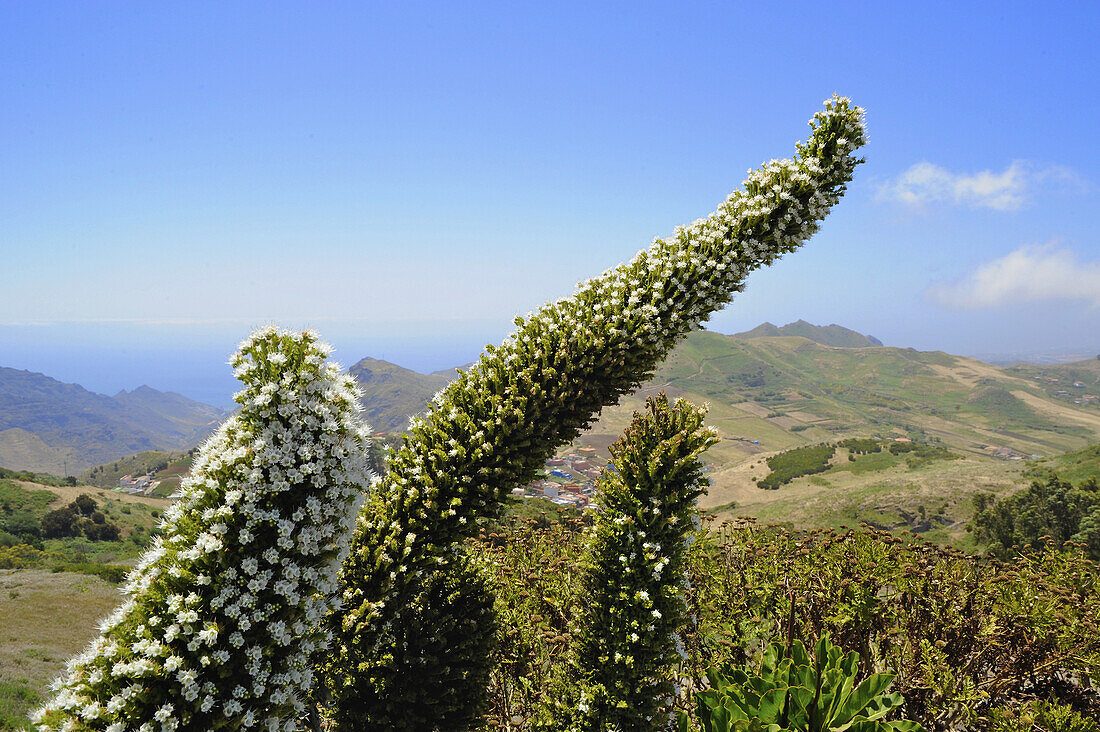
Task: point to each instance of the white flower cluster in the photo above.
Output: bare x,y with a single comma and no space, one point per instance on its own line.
493,427
224,611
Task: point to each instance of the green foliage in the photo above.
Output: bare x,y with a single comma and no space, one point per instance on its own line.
20,556
797,691
620,676
32,477
965,635
917,449
431,666
494,426
860,445
1052,510
791,464
79,518
84,504
1042,715
59,523
1076,466
21,513
15,700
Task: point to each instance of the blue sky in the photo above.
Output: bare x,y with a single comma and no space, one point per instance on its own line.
406,177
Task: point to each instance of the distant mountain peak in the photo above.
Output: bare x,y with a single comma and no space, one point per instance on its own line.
47,425
827,335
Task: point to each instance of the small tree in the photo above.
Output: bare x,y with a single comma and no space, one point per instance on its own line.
224,610
1054,509
84,504
626,647
59,523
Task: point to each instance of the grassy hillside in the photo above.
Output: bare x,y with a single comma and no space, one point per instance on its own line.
1076,466
392,394
770,391
48,618
771,394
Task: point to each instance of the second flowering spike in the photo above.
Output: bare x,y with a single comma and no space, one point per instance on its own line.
626,638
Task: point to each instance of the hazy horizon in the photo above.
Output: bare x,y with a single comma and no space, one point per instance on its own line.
199,371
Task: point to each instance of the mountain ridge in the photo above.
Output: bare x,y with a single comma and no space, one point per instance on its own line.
827,335
47,425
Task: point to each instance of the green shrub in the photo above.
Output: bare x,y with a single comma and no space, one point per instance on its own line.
1053,510
860,445
1042,715
801,461
964,634
20,556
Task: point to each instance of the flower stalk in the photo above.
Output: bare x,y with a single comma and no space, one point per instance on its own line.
495,425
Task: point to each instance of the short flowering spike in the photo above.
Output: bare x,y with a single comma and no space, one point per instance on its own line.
626,647
494,426
224,611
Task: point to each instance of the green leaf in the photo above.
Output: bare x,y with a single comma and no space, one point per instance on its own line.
772,705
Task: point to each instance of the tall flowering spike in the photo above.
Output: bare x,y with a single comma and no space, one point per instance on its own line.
493,427
626,646
225,610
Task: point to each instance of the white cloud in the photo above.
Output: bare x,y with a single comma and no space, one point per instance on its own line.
926,183
1027,275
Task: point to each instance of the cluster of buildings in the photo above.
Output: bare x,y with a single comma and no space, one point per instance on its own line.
1007,453
141,485
1076,397
569,480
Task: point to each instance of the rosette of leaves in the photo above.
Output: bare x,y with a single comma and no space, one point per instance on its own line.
801,692
494,426
225,609
633,583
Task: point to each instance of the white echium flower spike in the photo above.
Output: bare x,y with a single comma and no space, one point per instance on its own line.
495,425
224,610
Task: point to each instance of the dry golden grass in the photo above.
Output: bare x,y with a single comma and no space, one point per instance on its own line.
45,619
66,494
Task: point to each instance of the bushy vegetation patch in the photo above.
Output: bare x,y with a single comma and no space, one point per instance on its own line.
791,464
967,637
15,700
39,478
81,517
1048,512
860,445
873,454
21,513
